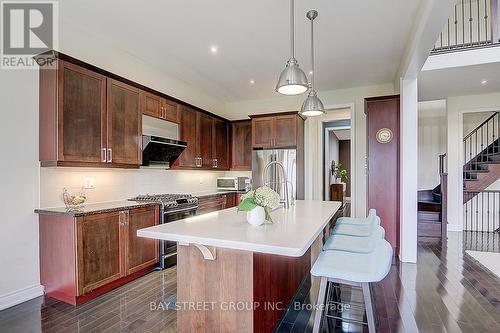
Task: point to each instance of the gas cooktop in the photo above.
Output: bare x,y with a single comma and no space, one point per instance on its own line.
169,200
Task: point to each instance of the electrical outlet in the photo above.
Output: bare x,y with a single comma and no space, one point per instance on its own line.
89,183
201,180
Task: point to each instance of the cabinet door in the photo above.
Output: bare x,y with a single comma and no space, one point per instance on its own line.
262,132
170,111
285,131
151,104
188,133
99,251
140,252
205,140
82,114
221,145
230,200
124,124
241,145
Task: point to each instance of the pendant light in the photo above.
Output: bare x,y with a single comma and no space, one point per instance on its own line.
312,106
293,80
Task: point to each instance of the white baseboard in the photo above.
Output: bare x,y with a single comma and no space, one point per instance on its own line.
20,296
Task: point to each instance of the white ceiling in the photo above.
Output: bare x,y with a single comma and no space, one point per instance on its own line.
457,81
357,42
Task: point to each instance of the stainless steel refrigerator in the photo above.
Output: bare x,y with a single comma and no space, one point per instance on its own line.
288,157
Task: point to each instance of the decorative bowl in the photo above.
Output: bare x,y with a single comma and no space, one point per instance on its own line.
74,201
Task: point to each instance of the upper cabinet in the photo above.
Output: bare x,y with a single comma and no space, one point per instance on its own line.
93,118
277,130
124,124
87,119
159,107
207,138
241,145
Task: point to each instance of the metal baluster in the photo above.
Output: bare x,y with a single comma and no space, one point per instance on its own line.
448,33
456,27
478,24
463,23
486,20
470,22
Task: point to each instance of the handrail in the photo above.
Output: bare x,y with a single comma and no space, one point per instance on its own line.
481,125
442,168
472,24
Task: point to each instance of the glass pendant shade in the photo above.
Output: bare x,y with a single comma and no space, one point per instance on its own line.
312,106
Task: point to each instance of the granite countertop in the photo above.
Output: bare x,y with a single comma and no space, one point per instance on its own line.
96,208
215,192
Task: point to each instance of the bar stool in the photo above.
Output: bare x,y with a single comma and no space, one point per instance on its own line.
357,220
365,229
354,269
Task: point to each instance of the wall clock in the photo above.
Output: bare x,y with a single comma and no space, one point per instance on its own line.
384,135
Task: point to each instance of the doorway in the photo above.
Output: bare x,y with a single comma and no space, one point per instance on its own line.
337,160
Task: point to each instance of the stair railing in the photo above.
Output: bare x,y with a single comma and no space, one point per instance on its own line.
482,211
481,143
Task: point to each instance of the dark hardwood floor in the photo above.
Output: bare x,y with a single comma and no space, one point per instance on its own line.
446,291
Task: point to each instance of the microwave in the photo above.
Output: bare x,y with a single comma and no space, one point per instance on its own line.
233,183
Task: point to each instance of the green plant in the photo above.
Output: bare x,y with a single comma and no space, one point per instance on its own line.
340,172
263,196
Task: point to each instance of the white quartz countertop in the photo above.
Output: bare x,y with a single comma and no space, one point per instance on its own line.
291,234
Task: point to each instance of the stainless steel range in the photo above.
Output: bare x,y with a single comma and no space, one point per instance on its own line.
173,207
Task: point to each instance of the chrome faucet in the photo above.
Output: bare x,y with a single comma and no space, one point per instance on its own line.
288,202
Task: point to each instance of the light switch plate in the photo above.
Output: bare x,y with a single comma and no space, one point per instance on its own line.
89,183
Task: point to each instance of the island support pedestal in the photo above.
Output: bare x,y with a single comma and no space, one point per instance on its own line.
226,290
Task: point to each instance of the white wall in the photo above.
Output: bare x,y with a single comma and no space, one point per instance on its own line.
341,98
456,107
431,142
332,153
19,181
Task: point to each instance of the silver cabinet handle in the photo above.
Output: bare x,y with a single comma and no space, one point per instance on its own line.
201,162
110,155
104,158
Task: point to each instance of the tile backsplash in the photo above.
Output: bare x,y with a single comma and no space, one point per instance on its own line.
117,184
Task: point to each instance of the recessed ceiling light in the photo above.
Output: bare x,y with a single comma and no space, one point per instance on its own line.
213,49
483,82
252,81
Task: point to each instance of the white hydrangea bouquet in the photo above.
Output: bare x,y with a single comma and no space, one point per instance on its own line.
257,204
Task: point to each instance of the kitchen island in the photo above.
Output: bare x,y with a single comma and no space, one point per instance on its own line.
234,277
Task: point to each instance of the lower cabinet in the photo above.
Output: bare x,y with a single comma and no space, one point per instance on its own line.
84,257
216,202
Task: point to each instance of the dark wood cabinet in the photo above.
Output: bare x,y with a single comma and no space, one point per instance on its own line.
140,252
159,107
124,124
95,121
220,146
277,130
99,250
86,256
205,140
262,132
215,202
383,162
241,145
81,114
189,134
208,141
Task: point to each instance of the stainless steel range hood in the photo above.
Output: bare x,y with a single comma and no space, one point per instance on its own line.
161,152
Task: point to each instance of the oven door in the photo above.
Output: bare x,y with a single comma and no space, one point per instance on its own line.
168,250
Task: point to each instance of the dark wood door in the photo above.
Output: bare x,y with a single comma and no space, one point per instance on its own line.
383,164
205,138
140,252
82,114
124,124
170,111
241,145
188,133
221,145
285,131
151,104
99,250
262,132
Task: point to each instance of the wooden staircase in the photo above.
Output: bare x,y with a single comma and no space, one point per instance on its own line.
482,150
